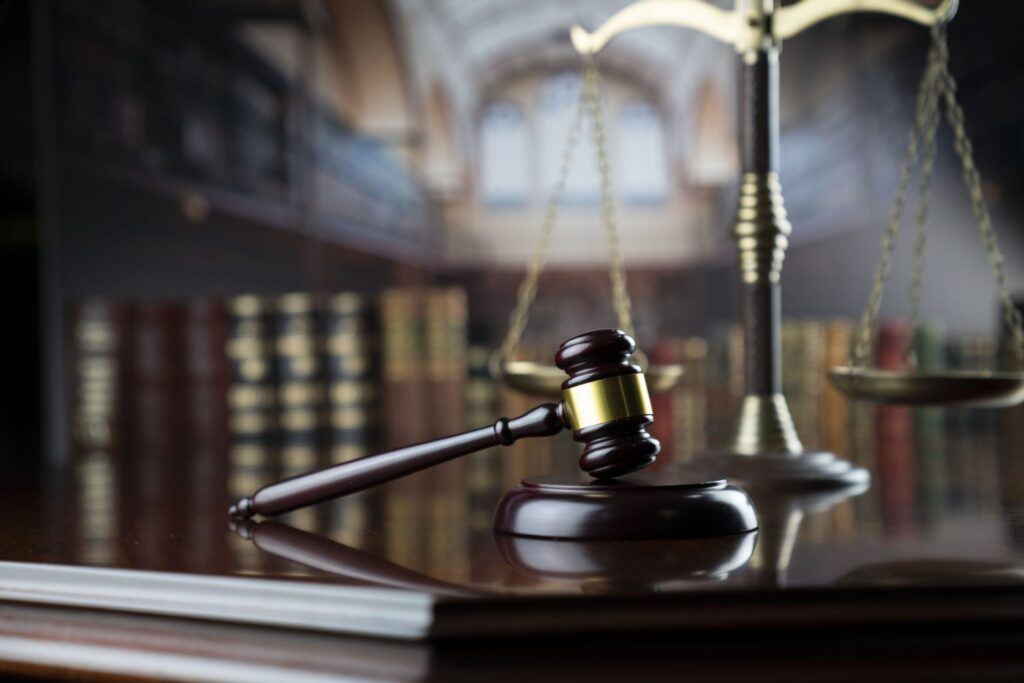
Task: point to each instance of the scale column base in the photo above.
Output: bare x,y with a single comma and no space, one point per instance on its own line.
781,471
765,426
766,453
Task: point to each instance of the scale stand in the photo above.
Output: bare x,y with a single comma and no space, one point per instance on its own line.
765,448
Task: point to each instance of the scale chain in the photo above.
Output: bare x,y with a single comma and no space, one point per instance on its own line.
972,179
588,99
864,345
936,84
620,294
528,288
931,125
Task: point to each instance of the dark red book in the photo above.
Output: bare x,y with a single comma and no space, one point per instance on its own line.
894,437
205,412
153,461
98,366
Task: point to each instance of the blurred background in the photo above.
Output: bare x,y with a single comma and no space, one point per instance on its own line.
273,234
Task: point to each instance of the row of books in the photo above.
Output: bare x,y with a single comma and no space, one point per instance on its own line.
216,398
148,418
207,400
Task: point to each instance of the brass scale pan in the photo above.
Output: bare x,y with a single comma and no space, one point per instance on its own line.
968,388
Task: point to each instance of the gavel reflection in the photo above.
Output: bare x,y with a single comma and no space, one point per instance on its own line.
605,403
323,554
592,566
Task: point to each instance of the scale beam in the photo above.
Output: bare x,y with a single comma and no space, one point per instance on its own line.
789,21
696,14
744,27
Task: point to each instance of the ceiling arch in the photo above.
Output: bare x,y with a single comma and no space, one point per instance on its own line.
475,47
490,36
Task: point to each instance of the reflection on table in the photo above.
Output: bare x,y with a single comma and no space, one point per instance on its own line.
945,486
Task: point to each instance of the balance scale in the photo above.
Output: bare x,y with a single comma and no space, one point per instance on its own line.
766,451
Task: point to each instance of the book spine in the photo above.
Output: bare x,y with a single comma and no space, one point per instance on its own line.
352,344
405,410
802,360
835,407
530,457
97,329
205,407
976,428
402,366
252,396
736,364
252,408
663,404
301,392
352,367
725,382
894,447
445,348
1011,431
155,427
445,355
929,429
690,404
484,484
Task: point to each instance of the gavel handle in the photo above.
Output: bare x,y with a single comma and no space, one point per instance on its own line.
356,475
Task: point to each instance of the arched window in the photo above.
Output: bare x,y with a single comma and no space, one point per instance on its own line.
504,163
642,169
556,106
714,160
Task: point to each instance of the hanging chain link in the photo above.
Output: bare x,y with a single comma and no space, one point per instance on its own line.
971,177
865,334
589,100
937,84
620,293
931,125
528,287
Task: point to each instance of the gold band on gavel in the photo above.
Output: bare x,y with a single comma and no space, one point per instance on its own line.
608,399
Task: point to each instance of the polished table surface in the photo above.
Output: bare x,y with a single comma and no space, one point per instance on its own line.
919,575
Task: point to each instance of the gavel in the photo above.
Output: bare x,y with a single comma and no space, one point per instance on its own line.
604,402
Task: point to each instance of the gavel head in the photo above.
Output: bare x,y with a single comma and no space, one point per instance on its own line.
606,404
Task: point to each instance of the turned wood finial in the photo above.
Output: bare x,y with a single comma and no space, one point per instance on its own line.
596,355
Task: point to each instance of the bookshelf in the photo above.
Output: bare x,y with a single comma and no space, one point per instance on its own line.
183,164
157,99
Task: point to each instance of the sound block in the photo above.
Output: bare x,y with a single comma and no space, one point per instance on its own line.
644,505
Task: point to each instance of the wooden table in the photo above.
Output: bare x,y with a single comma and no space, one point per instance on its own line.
919,576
